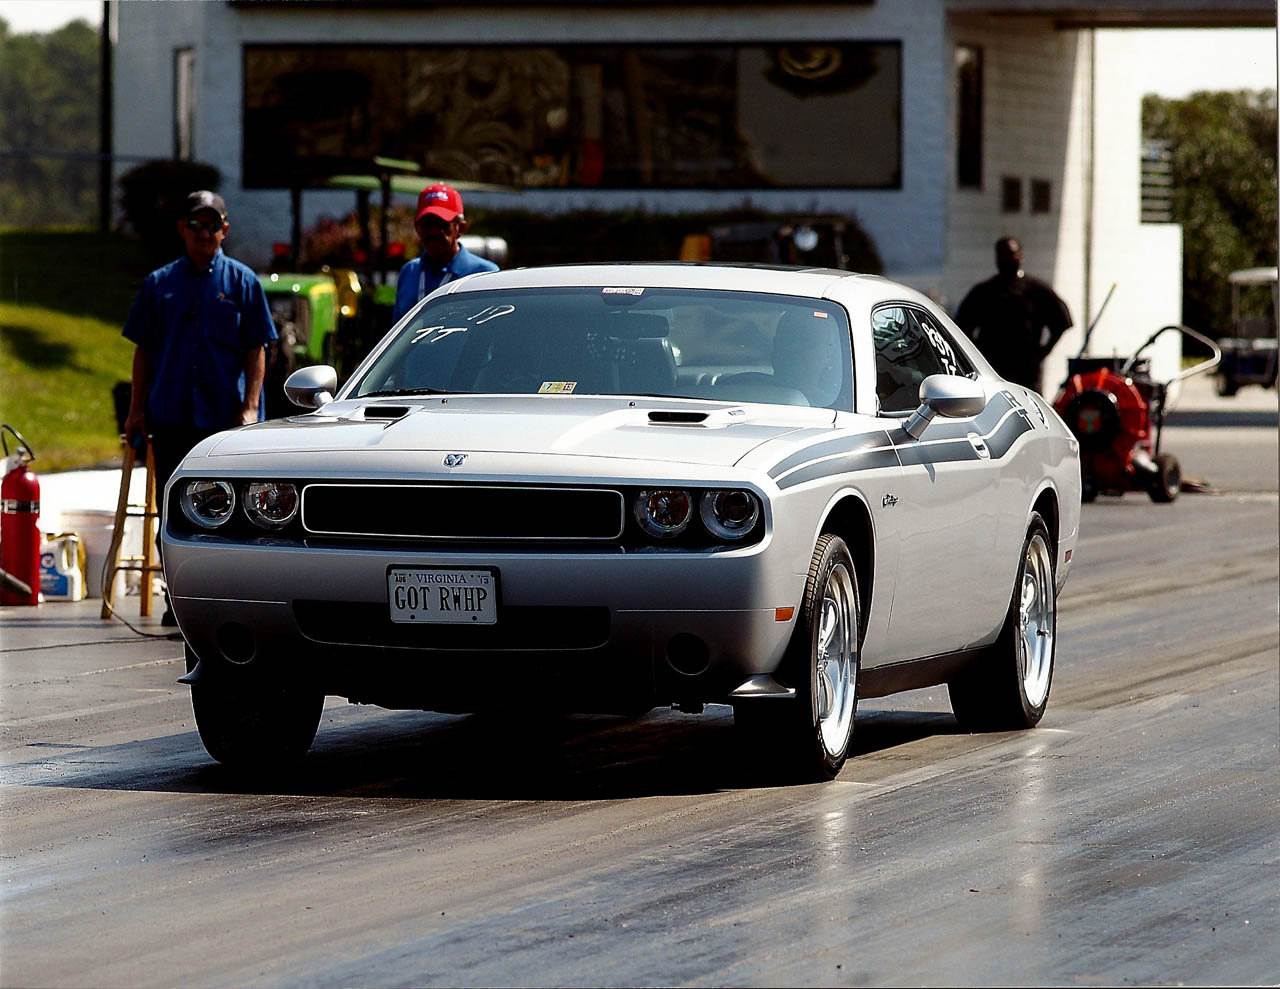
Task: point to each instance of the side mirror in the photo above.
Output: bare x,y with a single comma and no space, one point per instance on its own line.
946,395
311,387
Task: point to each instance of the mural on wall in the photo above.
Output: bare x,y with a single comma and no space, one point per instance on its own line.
582,116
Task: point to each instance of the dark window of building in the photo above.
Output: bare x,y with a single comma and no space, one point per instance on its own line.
184,103
724,116
1010,194
1041,196
969,116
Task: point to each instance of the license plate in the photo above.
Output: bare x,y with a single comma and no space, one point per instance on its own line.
443,596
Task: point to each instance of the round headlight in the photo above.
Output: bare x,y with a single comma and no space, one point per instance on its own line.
730,514
270,504
208,504
664,513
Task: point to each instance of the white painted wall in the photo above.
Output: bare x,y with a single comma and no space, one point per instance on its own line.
1039,123
907,225
1143,260
1033,112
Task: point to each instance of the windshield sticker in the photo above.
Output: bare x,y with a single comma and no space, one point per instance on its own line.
557,387
491,312
440,332
820,315
622,291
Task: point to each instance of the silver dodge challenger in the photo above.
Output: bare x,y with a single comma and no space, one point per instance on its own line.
603,488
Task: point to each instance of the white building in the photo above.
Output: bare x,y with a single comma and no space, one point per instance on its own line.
940,124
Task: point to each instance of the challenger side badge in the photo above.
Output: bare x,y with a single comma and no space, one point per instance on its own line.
454,459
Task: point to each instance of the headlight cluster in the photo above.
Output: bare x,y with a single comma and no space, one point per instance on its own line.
267,504
665,513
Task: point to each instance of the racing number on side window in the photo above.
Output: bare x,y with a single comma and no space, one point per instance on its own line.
946,354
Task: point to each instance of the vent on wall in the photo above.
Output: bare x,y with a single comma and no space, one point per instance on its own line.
1157,181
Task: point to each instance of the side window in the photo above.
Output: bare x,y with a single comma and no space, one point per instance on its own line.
909,348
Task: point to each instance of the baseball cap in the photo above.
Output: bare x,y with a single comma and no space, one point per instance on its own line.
439,200
203,200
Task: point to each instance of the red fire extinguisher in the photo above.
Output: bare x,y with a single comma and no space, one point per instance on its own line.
19,537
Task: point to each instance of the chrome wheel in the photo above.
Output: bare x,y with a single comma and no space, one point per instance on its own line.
807,738
1036,613
835,656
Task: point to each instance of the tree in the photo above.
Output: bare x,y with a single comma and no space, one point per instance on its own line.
1224,191
48,113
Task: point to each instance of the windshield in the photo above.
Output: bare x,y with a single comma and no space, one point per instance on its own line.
688,343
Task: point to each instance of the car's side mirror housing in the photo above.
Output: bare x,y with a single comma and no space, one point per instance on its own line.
948,395
311,387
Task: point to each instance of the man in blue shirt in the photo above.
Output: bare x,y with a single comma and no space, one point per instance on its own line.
200,326
439,224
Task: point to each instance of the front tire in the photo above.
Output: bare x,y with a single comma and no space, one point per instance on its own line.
1007,687
809,737
248,722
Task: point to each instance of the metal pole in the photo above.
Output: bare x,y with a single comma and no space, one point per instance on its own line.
104,121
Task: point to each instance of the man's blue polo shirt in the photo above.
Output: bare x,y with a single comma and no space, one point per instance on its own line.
197,327
417,281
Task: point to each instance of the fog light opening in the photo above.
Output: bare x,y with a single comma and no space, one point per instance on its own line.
688,655
236,644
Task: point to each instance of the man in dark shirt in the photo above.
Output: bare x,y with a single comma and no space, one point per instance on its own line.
1014,319
200,326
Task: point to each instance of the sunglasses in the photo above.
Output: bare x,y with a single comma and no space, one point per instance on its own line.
434,224
201,226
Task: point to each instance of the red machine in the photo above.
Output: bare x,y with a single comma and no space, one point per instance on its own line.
19,536
1116,410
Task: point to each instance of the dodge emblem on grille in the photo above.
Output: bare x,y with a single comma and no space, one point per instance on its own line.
454,459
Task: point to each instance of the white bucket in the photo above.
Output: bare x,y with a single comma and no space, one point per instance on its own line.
94,527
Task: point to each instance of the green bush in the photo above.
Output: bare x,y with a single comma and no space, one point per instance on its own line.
152,196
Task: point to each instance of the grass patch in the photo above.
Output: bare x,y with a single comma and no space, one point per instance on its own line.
64,296
57,372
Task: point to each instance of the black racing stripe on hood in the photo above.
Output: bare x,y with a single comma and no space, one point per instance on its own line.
875,459
843,444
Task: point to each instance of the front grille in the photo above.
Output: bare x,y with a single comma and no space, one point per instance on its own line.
465,512
363,624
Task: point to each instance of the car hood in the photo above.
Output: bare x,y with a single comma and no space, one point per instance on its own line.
674,431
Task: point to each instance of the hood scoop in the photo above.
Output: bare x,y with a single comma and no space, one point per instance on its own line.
386,411
685,417
669,418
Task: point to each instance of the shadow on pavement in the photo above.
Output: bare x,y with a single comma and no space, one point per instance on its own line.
423,756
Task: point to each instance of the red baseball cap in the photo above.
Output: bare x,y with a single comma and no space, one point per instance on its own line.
439,200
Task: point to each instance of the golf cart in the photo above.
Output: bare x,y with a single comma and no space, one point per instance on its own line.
1249,353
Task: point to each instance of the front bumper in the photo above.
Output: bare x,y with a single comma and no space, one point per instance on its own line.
592,629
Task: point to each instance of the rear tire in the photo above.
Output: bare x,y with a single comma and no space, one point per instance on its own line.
248,722
1227,385
808,738
1167,481
1007,687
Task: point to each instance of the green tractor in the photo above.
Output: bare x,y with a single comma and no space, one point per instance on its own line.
318,320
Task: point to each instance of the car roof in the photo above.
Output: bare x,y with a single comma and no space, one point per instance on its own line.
784,279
